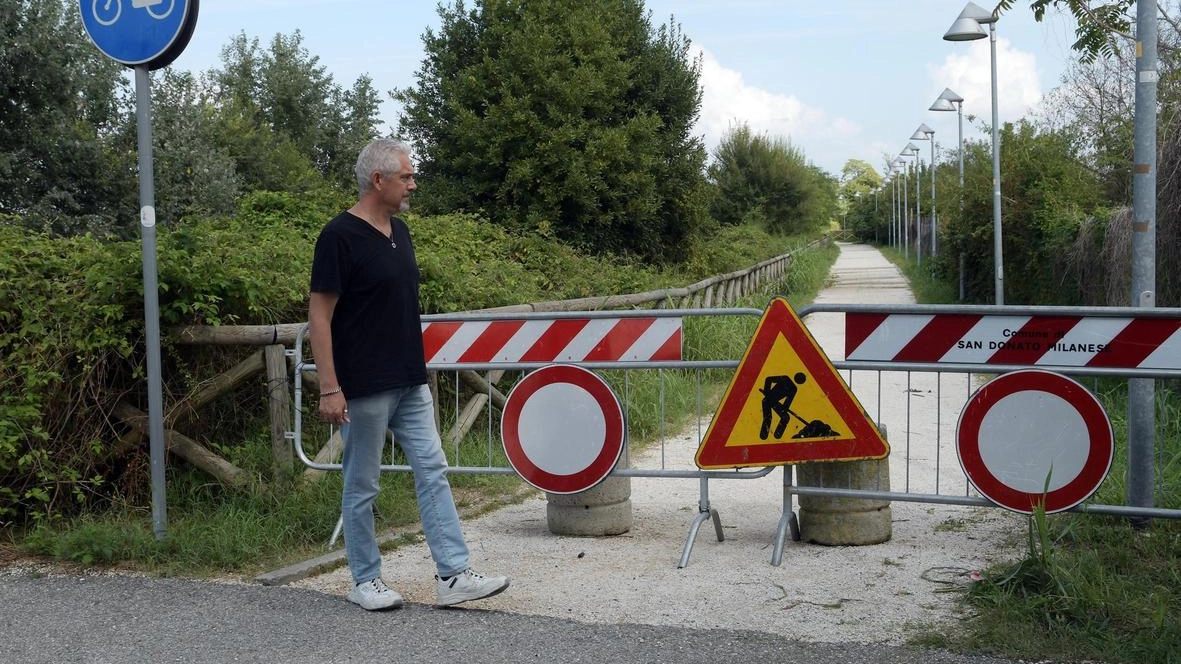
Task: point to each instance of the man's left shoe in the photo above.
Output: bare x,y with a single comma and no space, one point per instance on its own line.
468,585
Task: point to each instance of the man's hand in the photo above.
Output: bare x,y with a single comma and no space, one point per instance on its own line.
334,409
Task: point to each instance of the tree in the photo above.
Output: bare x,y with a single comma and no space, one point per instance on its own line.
1096,101
62,165
1100,26
757,179
858,177
193,175
284,119
859,182
1049,194
575,117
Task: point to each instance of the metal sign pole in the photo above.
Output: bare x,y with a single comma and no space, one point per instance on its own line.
1141,392
150,34
147,221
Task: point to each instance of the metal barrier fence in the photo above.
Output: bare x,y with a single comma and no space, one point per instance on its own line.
916,394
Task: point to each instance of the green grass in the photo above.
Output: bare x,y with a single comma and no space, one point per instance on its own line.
927,289
215,531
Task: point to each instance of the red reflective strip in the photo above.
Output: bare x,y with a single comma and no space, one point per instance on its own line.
669,350
936,338
620,338
434,335
555,338
1135,342
491,341
1033,340
858,327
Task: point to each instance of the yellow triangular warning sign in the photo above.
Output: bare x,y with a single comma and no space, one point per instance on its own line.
787,404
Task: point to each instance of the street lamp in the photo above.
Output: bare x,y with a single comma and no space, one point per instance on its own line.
925,133
895,199
895,241
966,28
950,101
911,150
903,205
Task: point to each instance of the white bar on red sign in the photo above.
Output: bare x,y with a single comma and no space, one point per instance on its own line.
558,340
890,337
1167,355
1082,343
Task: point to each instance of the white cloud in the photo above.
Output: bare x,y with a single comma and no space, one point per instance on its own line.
969,73
727,100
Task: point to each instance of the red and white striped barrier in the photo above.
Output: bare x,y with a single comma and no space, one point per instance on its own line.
1066,341
558,340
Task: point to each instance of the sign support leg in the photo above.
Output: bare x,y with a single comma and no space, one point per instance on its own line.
704,511
787,521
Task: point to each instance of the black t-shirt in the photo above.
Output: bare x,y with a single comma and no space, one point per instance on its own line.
376,329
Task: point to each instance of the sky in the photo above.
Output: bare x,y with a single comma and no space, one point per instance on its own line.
839,79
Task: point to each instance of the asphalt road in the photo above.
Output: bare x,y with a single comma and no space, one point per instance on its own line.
122,619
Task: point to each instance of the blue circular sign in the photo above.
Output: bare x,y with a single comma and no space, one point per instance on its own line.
140,32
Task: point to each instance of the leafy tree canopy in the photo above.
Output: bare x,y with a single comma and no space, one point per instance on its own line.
570,117
758,179
1099,24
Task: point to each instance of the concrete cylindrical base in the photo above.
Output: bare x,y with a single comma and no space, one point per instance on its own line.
845,521
604,509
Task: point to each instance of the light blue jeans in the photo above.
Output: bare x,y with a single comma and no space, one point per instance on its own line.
409,413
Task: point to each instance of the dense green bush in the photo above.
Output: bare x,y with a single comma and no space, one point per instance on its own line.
71,322
768,182
1047,192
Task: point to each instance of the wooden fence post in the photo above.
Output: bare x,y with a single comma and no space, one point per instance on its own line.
279,399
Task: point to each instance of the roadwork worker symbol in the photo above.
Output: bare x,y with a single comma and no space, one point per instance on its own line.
785,373
778,394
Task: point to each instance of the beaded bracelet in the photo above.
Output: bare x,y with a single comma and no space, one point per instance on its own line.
330,392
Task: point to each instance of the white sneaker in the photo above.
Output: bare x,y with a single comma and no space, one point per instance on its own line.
374,595
468,585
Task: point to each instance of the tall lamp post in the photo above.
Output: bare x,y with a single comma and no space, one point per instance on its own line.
905,229
925,133
950,101
892,181
967,28
912,150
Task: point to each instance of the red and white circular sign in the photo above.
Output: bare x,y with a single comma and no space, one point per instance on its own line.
563,429
1025,426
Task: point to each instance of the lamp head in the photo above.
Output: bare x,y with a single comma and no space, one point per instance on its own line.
965,29
951,96
977,13
923,133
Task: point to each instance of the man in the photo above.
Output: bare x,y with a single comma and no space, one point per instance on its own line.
366,335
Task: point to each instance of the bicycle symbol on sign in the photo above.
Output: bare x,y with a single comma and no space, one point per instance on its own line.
107,16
